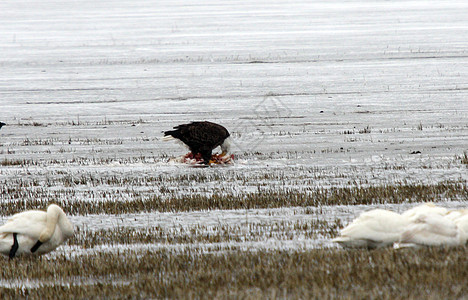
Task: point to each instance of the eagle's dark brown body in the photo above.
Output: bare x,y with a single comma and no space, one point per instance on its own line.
201,137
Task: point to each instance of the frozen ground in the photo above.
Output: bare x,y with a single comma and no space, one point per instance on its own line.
333,94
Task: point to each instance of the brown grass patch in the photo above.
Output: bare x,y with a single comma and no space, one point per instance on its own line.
428,273
263,198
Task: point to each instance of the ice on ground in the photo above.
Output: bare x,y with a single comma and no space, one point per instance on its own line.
335,94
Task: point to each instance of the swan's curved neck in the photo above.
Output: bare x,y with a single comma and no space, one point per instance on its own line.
54,215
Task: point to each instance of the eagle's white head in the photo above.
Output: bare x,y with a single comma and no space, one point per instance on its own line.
226,146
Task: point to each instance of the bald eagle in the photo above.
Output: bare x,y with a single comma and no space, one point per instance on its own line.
202,137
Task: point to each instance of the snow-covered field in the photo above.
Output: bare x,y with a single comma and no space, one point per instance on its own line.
334,94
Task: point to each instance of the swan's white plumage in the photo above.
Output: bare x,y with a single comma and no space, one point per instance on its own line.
460,218
456,214
425,208
25,223
373,229
462,223
52,227
431,229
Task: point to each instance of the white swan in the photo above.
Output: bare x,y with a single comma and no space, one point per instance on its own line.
373,229
35,232
431,229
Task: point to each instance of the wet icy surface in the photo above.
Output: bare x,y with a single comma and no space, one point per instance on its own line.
335,94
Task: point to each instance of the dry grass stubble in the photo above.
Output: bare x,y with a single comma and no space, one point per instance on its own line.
263,198
427,273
